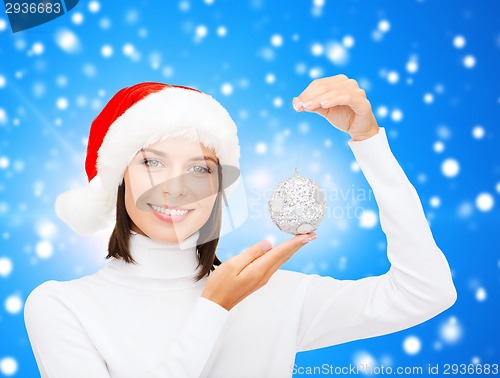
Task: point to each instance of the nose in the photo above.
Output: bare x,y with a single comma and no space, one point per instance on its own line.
175,185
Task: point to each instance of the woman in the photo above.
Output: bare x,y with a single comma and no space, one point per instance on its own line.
165,306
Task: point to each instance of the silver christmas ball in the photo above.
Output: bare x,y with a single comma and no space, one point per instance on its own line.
297,205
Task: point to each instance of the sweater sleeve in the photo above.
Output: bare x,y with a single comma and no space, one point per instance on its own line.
63,349
418,285
59,342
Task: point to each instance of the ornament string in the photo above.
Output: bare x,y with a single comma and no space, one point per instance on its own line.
298,159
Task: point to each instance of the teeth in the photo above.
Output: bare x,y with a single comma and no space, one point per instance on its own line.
169,211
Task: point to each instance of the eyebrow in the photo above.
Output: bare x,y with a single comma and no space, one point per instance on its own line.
163,154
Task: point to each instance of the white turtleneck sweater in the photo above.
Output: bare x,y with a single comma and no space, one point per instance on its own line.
149,320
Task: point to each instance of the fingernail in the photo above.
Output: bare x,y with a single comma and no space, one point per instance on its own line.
297,105
309,238
307,104
265,245
324,103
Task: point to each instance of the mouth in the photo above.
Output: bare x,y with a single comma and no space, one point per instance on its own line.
170,212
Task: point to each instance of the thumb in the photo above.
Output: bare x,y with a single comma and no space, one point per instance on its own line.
252,253
282,252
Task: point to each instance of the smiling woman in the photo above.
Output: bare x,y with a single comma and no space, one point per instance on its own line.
160,163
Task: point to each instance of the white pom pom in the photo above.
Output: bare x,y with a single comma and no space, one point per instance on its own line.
86,210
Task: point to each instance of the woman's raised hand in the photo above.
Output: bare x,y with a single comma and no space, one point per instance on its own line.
241,275
342,102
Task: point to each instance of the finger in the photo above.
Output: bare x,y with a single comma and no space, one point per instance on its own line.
276,257
318,102
241,260
308,99
355,99
315,88
328,82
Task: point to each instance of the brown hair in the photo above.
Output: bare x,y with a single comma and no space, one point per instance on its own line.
118,246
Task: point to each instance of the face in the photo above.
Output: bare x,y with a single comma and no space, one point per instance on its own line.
170,189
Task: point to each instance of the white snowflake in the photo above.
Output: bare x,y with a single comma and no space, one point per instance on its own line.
382,111
348,41
315,72
451,330
428,98
77,18
397,115
37,48
393,77
478,132
226,89
485,202
106,51
412,66
13,304
5,266
435,201
46,229
221,31
368,219
261,148
469,61
270,78
62,103
44,249
450,167
277,40
3,116
336,53
384,26
317,49
8,366
481,294
412,345
459,41
200,31
4,162
94,6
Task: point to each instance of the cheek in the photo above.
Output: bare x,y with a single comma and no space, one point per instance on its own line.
137,186
207,204
202,189
133,190
129,203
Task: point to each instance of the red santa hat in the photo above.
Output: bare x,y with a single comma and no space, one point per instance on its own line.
134,118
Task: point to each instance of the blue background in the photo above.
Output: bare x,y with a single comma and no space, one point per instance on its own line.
55,78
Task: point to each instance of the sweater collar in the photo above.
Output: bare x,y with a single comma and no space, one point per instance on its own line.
160,260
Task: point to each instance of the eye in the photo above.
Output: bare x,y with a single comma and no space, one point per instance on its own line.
201,169
151,163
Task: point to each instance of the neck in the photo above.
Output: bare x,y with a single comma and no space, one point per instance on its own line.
160,260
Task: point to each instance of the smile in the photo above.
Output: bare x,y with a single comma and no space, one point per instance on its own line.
171,212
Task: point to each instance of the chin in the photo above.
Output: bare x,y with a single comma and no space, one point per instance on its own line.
167,236
167,233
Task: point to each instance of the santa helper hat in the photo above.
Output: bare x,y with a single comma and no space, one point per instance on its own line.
134,118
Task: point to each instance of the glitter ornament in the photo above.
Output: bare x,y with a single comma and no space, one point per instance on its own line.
297,205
